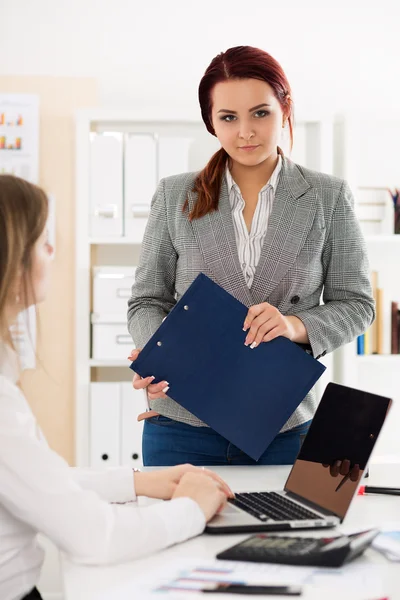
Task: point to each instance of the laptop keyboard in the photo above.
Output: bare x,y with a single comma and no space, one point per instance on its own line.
270,505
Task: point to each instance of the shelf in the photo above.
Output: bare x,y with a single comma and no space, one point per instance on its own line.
115,241
389,237
94,362
377,358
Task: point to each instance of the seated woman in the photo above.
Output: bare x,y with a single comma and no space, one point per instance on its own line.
39,492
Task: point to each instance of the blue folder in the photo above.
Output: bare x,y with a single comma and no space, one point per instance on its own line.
244,394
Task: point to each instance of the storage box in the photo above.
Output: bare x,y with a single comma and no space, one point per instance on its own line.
112,287
110,338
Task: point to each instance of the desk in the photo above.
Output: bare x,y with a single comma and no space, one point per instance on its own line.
87,583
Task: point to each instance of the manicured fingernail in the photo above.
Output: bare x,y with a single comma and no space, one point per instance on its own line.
253,345
152,377
165,390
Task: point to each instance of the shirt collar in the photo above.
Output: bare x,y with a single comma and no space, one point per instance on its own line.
273,180
9,362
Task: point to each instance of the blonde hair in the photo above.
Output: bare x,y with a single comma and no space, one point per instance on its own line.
23,216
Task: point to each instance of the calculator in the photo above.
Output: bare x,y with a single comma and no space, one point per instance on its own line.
320,552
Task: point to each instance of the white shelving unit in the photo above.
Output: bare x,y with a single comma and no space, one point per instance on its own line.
313,148
367,155
93,249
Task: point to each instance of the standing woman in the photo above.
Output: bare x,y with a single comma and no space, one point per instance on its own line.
272,233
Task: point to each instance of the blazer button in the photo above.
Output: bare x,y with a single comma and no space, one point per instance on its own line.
294,300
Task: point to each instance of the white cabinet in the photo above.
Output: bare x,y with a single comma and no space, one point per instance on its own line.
115,433
105,419
133,402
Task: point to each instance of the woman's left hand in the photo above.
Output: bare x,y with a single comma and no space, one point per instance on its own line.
162,484
264,322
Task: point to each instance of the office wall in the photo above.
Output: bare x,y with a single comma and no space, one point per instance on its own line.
342,54
50,388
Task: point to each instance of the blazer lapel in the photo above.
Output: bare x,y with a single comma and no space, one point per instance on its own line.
215,236
290,221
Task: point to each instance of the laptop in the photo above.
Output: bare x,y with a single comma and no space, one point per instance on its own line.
345,427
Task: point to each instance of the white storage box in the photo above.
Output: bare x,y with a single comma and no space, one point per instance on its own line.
110,338
112,287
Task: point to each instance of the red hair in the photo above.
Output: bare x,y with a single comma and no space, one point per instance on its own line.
241,62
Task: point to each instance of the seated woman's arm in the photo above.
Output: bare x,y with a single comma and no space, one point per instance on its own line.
39,488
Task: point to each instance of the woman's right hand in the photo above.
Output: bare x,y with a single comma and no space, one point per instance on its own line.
154,390
204,490
344,467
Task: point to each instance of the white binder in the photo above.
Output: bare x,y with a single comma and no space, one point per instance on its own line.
105,419
106,201
140,177
173,155
133,403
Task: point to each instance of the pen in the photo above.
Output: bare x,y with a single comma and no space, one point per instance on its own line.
370,489
345,478
255,590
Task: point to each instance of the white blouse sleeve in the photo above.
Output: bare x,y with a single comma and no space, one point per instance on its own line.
39,488
114,484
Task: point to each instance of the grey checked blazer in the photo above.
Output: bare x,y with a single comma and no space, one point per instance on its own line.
313,245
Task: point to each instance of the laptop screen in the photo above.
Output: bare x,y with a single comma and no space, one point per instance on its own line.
341,438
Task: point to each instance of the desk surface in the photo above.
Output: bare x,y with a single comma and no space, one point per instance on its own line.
89,583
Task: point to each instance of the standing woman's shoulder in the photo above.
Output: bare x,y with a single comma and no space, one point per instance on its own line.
175,189
176,185
329,188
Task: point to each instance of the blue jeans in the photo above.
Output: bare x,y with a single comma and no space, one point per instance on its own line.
167,442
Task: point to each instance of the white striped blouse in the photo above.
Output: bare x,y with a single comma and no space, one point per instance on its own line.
249,244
